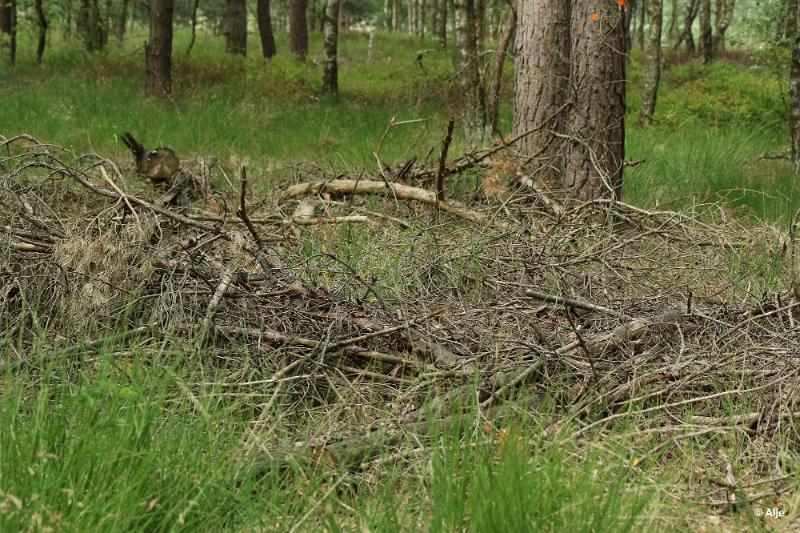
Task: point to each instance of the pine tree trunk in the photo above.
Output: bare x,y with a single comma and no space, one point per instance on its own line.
42,30
468,77
706,37
330,75
236,37
653,64
6,24
493,103
159,48
596,121
122,20
298,29
265,29
542,81
794,84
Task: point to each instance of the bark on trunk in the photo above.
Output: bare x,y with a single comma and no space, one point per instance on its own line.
265,29
122,20
298,29
706,37
159,48
330,75
653,64
794,84
42,30
596,121
542,80
689,14
724,16
468,76
236,42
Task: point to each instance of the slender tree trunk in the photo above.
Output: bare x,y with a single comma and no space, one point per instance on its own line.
493,103
265,29
689,14
794,84
42,30
723,20
236,42
158,49
596,121
7,25
468,76
706,37
480,23
434,18
642,5
194,27
653,63
122,20
673,19
630,24
298,29
330,75
14,28
395,15
542,81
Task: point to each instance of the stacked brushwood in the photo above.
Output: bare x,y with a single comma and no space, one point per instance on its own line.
615,314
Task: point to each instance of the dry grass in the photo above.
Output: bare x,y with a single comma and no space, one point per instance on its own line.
675,334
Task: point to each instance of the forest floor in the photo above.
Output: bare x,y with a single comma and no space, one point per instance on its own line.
411,367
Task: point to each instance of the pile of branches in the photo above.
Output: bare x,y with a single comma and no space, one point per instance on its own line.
616,314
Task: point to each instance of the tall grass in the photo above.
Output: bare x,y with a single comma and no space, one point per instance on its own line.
129,441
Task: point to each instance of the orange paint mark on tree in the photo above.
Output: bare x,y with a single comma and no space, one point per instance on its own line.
594,16
621,3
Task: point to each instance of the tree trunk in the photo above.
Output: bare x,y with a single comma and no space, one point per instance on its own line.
395,15
542,81
479,13
653,64
630,23
158,49
265,29
689,14
468,76
493,104
42,30
195,6
673,19
330,75
7,25
236,42
443,24
298,29
706,37
91,25
122,20
596,121
642,6
723,20
794,84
